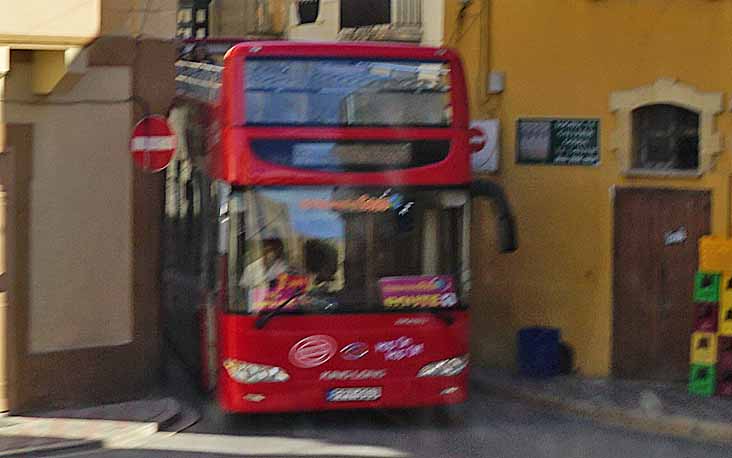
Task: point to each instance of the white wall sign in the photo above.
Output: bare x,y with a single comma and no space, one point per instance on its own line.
487,159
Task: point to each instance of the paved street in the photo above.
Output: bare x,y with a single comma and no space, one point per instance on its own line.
488,427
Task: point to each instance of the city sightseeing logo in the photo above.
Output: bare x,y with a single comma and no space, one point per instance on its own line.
362,204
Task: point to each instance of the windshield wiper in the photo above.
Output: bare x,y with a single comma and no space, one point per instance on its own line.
263,319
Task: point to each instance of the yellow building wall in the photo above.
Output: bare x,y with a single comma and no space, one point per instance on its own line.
563,59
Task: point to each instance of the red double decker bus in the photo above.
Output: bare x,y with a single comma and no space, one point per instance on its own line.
326,194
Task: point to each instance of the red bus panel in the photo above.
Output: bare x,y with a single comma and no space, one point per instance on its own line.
392,347
237,163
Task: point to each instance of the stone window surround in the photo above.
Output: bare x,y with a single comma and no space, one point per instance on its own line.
666,91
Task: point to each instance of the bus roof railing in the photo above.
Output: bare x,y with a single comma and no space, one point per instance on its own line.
199,80
197,74
216,47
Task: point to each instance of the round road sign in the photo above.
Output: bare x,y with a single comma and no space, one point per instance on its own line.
152,143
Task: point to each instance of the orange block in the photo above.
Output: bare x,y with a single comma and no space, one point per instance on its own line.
715,254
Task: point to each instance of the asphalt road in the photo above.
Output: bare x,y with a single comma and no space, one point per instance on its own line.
488,426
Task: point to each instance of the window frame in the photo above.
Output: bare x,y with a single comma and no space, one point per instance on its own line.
670,91
672,154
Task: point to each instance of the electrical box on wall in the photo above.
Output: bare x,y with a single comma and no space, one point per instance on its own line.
486,160
496,82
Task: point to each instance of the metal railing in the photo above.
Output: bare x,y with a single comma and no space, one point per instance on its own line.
198,80
405,25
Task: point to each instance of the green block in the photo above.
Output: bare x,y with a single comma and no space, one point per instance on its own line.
702,380
706,287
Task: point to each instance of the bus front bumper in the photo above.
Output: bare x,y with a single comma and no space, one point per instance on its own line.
316,395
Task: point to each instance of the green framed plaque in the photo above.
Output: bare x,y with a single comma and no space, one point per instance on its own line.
558,141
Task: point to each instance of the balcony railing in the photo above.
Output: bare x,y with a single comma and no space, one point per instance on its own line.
406,13
406,25
232,18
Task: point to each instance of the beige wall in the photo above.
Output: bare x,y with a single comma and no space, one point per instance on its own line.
83,231
80,259
433,22
30,22
148,18
326,28
4,347
80,320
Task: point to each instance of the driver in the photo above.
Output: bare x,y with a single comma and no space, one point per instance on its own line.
264,273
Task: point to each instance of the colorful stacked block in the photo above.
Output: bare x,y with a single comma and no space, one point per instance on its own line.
724,341
711,340
715,254
704,348
706,287
702,380
703,351
724,365
706,317
725,307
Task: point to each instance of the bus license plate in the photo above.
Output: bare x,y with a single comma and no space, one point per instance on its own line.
353,394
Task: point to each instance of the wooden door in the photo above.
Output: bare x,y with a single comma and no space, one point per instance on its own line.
655,258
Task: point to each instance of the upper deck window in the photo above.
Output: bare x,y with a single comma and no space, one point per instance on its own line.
347,92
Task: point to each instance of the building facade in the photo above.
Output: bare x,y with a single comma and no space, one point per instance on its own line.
612,115
255,19
416,21
80,297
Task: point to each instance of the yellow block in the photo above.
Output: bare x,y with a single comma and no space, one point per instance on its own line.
725,316
703,348
725,288
715,254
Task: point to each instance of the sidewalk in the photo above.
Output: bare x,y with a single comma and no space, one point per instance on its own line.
644,406
113,425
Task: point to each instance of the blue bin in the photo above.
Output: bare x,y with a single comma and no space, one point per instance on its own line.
538,351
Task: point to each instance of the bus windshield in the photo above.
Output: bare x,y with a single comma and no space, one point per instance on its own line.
346,92
345,249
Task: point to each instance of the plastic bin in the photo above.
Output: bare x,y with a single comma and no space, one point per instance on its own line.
538,351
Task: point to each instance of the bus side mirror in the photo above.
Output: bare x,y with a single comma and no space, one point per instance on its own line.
506,226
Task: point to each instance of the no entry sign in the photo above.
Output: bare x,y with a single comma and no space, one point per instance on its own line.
152,144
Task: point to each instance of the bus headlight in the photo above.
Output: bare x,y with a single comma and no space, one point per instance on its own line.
244,372
444,368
